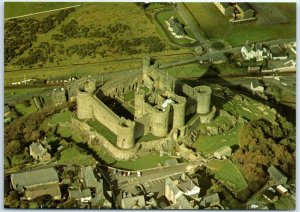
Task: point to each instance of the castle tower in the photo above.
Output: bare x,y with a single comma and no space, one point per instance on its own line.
159,120
84,105
125,138
139,103
203,98
90,87
179,112
146,64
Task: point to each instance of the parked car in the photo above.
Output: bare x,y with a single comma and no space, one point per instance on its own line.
138,173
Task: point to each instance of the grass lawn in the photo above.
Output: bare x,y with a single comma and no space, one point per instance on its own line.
25,109
189,70
12,9
60,117
72,155
104,131
229,174
148,137
209,144
248,108
20,92
215,25
129,96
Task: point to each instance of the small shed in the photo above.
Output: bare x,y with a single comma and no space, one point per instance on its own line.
257,86
245,10
223,152
38,152
277,175
226,8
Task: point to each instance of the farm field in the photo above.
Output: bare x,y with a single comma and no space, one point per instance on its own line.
229,174
215,25
208,144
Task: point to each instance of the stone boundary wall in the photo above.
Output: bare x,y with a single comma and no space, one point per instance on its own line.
92,137
121,85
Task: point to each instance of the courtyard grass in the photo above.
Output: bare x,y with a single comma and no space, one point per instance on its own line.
148,137
103,130
129,96
228,174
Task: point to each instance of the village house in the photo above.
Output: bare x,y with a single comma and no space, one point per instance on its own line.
133,202
84,196
175,28
37,183
223,152
244,10
257,86
58,96
278,52
210,200
175,195
226,8
38,152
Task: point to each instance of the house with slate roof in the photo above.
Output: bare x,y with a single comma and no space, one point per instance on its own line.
175,28
38,152
37,183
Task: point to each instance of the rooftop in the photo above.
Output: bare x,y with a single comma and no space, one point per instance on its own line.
34,178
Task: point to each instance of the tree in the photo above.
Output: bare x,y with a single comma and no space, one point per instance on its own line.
263,144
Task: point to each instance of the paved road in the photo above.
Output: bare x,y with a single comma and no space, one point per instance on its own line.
155,173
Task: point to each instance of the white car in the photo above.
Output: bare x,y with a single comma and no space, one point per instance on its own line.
139,173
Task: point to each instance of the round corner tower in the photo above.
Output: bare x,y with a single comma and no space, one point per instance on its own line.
160,120
203,98
125,138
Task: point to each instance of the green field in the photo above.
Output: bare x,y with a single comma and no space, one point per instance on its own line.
73,156
216,26
89,16
209,144
26,109
13,9
61,117
66,132
229,174
285,203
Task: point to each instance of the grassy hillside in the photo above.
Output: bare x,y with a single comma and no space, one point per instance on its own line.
13,9
102,36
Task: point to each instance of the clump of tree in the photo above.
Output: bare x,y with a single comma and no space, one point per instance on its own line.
19,34
263,144
21,132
